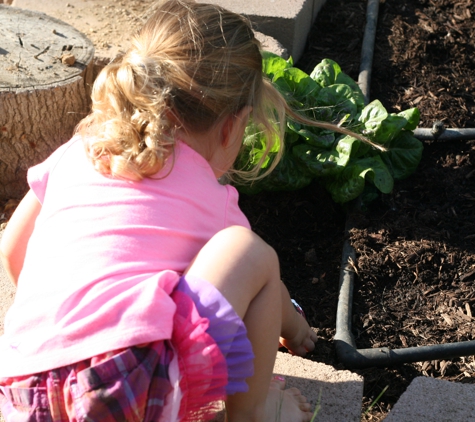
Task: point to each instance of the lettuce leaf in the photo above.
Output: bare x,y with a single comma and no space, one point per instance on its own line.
346,166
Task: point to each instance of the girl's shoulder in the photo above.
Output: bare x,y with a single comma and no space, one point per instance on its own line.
38,175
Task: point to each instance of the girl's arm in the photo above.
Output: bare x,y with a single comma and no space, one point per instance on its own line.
296,334
17,233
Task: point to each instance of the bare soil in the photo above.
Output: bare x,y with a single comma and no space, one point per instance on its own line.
416,247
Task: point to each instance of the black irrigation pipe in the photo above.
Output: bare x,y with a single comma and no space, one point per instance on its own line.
439,133
366,65
345,344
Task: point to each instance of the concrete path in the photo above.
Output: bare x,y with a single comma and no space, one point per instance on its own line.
107,23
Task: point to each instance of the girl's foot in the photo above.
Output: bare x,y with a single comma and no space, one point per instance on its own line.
303,342
286,405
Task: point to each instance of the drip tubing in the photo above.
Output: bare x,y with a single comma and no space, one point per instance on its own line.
425,134
367,49
345,344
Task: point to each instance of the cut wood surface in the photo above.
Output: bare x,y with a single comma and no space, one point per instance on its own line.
45,78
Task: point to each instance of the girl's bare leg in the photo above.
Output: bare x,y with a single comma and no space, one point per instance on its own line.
246,271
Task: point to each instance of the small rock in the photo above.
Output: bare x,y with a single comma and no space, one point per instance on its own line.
68,59
311,256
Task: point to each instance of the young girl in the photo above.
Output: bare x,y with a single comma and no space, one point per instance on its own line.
142,293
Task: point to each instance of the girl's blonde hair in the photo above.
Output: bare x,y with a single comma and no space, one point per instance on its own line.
189,66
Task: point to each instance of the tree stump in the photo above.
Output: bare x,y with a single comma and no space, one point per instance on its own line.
46,74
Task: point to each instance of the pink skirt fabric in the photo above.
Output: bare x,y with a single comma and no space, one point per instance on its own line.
215,355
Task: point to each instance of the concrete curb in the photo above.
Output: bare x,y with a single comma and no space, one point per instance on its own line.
337,393
288,21
434,400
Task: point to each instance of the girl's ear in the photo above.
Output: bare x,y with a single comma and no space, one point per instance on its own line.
173,118
234,124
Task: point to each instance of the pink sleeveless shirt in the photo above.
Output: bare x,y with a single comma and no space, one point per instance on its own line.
105,255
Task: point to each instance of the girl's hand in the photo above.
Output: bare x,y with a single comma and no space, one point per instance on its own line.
304,339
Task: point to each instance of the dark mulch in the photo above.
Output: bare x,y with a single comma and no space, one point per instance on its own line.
416,247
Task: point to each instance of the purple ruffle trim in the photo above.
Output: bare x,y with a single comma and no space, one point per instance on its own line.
226,328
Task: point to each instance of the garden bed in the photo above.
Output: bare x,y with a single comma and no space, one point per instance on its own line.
415,267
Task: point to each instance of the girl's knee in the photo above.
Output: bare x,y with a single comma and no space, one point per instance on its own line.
241,254
246,239
234,235
236,231
253,250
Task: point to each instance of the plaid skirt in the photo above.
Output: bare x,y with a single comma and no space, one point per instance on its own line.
131,385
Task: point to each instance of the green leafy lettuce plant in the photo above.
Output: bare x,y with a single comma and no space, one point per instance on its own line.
346,166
